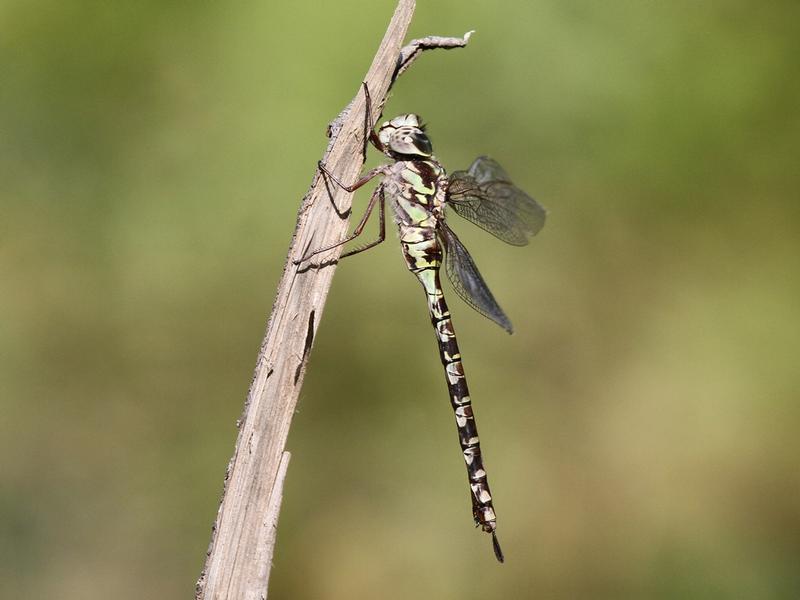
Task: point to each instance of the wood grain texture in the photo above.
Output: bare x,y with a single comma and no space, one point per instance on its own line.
243,537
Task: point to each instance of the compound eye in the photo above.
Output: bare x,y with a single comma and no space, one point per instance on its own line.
385,134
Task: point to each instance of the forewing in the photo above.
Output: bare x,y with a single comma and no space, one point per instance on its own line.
467,280
485,195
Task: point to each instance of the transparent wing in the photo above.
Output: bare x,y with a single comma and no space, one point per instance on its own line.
485,195
466,279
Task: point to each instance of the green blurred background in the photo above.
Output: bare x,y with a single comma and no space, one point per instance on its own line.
640,428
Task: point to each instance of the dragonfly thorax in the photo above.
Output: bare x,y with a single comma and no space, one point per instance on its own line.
404,136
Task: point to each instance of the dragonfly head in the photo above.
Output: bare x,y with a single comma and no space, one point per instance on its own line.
405,136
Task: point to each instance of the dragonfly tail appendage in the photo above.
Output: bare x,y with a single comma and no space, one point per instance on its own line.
498,552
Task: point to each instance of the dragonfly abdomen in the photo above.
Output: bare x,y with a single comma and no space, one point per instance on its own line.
427,271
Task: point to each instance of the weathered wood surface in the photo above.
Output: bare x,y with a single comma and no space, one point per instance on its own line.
240,554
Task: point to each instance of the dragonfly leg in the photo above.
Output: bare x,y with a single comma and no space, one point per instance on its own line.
376,195
367,120
368,176
381,228
369,131
369,134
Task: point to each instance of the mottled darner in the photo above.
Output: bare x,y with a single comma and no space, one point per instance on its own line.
419,191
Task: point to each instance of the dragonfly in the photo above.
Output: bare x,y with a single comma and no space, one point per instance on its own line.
420,192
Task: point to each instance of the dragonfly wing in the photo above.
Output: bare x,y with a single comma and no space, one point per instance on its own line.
485,195
485,169
467,280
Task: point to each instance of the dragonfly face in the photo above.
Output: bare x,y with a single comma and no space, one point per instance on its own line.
405,137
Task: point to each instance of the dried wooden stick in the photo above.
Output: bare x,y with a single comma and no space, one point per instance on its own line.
412,50
240,553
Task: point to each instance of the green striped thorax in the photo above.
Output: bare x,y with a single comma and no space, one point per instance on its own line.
404,137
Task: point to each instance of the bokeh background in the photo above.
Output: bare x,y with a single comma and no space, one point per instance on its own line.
640,427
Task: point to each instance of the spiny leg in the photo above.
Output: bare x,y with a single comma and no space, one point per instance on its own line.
367,120
369,132
369,175
376,195
381,228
